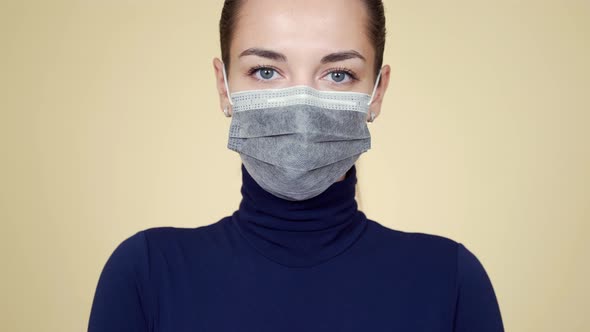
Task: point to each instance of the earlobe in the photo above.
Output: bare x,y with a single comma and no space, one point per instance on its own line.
227,110
374,110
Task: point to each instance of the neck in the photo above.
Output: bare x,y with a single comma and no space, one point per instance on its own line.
300,233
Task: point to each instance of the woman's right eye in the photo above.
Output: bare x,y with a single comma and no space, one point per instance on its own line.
263,73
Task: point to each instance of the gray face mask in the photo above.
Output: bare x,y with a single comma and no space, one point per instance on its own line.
295,142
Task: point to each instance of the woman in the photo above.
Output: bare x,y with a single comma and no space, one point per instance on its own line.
300,80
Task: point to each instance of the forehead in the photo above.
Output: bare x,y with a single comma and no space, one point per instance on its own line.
302,27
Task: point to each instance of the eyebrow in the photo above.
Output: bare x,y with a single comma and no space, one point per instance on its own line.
332,57
264,53
339,56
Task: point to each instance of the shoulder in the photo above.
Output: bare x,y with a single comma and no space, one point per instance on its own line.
418,245
136,248
476,305
421,241
431,249
168,234
454,265
169,244
474,298
469,266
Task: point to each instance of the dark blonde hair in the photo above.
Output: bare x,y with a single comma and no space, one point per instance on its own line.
375,28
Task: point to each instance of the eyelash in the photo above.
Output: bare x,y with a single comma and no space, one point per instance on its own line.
254,69
344,70
349,72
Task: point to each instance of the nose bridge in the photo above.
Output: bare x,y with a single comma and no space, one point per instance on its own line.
303,76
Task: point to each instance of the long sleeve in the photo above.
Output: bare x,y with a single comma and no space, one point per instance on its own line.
121,296
477,307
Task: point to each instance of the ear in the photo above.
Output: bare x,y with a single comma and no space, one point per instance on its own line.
221,89
375,106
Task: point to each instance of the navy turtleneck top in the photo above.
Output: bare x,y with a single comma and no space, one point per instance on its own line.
279,265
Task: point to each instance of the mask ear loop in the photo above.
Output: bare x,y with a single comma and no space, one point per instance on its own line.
372,114
226,85
375,87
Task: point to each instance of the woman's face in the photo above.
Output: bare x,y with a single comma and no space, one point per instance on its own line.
323,44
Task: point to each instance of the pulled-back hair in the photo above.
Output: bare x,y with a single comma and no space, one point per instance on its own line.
375,28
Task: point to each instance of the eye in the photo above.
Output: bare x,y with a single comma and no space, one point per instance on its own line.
338,76
263,73
341,76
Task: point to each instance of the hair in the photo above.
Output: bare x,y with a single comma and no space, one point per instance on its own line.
375,28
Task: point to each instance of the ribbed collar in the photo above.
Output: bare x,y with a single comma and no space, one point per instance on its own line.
300,233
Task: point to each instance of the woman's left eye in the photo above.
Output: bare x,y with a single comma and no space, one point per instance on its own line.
340,76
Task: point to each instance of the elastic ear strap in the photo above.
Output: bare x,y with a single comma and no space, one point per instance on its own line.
226,85
375,87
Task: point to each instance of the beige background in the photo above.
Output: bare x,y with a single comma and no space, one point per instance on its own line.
110,124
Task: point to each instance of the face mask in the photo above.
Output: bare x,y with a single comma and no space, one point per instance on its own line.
297,141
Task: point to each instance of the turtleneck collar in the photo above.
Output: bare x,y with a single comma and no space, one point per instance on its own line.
300,233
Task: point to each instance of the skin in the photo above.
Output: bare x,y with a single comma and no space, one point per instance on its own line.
298,34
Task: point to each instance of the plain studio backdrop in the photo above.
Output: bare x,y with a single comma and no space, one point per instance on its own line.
110,124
